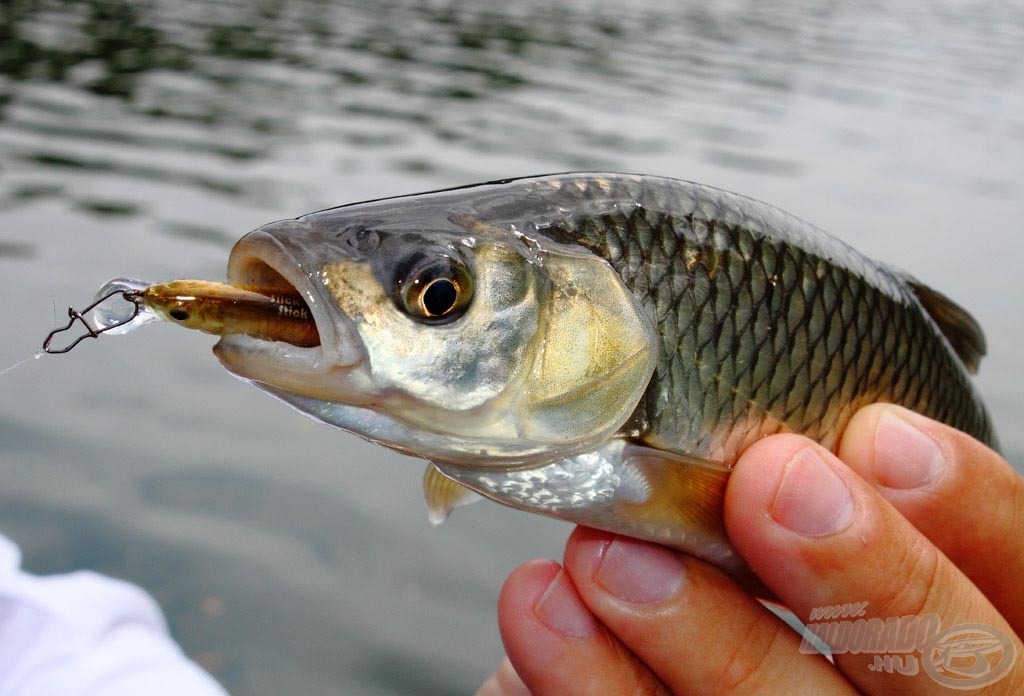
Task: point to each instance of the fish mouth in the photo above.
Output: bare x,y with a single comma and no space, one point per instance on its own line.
263,259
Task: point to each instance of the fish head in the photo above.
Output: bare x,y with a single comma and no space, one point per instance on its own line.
446,334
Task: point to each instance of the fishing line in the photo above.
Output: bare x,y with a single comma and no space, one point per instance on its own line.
37,354
22,362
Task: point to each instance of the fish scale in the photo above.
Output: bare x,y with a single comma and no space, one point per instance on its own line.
817,339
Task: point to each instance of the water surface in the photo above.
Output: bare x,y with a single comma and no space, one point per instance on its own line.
142,139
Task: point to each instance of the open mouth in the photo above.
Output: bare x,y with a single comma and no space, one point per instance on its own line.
305,336
284,313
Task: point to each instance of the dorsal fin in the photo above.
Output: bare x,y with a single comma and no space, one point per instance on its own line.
956,324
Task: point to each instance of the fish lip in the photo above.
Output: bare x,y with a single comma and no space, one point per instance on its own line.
340,344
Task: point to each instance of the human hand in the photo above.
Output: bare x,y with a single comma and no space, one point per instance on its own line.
912,518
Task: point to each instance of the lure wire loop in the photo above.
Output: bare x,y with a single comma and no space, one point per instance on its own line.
75,315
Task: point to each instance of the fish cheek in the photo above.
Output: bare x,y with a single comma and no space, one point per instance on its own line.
599,351
487,351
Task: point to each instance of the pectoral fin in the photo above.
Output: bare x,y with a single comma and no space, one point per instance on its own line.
684,494
683,507
444,495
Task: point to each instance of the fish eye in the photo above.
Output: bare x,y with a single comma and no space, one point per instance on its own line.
439,297
436,290
179,314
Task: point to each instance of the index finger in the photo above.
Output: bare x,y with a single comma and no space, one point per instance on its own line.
959,493
825,542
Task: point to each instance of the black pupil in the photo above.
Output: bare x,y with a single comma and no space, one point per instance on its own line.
439,297
179,314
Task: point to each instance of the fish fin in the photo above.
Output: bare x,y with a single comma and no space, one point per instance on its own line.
444,495
957,325
676,486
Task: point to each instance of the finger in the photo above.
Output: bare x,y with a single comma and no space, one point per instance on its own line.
557,647
504,682
960,494
820,536
688,623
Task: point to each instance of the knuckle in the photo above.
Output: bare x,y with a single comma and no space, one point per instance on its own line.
1013,506
914,582
747,668
1016,512
645,686
640,682
1004,521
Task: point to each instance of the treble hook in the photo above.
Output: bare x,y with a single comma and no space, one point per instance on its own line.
132,296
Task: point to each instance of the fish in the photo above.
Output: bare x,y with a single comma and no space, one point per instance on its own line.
593,347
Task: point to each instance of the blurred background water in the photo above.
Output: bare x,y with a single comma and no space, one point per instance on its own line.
143,138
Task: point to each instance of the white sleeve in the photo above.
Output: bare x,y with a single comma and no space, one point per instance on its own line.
84,634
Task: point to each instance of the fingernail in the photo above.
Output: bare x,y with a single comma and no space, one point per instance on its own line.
561,609
640,572
812,499
905,457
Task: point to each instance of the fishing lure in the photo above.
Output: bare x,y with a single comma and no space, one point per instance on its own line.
207,306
